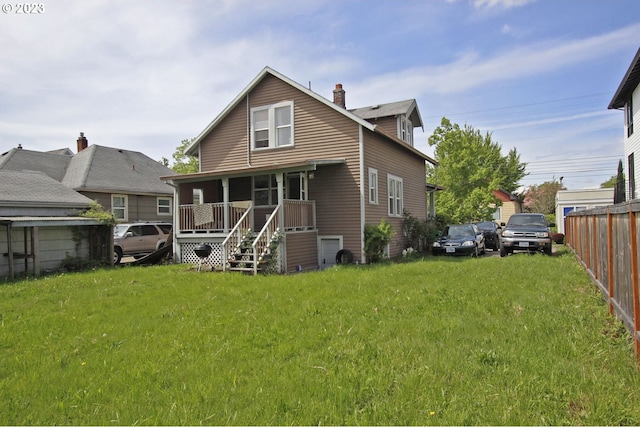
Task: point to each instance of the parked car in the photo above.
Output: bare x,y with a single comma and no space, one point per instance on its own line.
492,234
139,239
526,232
462,239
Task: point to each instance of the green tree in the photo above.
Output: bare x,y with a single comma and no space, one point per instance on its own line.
471,167
618,192
542,198
183,163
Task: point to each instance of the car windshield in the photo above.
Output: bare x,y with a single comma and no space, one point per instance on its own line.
485,225
528,220
459,230
119,230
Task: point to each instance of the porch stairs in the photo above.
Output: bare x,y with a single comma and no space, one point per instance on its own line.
250,253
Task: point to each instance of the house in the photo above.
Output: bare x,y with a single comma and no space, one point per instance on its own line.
511,204
40,226
579,200
125,182
627,98
283,161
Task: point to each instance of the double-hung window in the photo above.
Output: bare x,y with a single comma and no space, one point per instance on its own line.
406,130
373,186
119,206
164,206
272,126
628,112
394,185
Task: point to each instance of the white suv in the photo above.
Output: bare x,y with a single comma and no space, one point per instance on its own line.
139,239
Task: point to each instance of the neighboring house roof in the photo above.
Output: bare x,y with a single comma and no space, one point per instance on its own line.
628,84
95,168
66,151
192,149
505,196
25,189
408,108
18,159
106,169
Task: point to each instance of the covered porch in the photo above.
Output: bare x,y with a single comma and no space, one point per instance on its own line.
255,212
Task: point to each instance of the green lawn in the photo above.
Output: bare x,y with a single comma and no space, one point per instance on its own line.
503,341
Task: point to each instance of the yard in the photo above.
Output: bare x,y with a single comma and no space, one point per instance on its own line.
443,341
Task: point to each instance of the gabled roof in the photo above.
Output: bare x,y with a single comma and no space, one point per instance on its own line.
628,84
408,107
98,168
192,149
37,189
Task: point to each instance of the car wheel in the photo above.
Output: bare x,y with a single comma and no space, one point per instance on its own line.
503,252
548,250
117,255
474,254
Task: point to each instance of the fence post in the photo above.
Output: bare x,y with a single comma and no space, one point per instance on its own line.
634,279
610,259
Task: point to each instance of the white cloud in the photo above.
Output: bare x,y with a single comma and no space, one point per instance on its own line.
506,4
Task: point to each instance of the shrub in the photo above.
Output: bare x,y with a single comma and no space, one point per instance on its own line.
376,239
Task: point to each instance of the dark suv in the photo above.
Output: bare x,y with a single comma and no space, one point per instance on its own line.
526,232
139,238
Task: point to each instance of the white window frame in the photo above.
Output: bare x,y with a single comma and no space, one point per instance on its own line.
161,207
272,128
373,186
405,129
395,191
124,209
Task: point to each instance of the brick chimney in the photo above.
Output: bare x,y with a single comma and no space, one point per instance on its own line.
82,142
338,96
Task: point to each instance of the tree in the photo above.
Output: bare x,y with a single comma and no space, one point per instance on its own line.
542,198
471,167
183,163
618,193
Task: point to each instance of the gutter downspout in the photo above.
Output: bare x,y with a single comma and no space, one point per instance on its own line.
363,256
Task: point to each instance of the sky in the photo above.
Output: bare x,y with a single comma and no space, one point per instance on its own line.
537,75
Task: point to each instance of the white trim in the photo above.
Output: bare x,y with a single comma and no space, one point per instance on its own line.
363,256
271,126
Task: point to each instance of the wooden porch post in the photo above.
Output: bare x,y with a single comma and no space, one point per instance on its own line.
225,200
283,244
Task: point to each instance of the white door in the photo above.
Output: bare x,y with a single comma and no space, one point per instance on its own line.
329,247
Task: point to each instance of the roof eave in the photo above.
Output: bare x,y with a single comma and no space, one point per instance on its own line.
629,82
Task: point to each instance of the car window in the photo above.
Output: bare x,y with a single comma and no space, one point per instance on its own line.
166,228
119,230
149,230
486,225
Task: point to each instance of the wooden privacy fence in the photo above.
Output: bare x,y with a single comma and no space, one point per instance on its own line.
606,242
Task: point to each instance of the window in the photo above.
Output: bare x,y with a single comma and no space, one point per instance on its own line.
628,112
373,186
265,190
296,186
272,126
164,206
497,215
395,195
119,206
406,130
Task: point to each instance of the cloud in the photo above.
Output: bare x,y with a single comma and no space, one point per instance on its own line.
506,4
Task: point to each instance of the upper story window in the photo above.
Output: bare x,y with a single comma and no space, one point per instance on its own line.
628,112
272,126
406,130
394,185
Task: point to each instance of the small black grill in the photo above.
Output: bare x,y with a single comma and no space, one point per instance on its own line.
202,251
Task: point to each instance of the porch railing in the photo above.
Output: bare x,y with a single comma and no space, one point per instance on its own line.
209,217
235,237
299,215
262,243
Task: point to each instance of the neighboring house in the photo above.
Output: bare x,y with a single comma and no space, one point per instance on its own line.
124,182
627,98
40,226
511,204
282,158
579,200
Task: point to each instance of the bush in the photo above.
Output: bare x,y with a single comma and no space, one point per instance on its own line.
558,238
376,239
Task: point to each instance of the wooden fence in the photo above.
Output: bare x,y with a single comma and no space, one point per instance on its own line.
605,241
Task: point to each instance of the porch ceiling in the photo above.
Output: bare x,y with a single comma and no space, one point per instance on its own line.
231,173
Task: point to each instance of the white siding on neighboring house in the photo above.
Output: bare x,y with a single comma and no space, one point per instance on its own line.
632,146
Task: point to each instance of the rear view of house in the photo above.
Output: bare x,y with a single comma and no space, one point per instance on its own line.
283,168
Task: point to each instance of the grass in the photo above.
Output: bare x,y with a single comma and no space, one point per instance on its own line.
522,340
